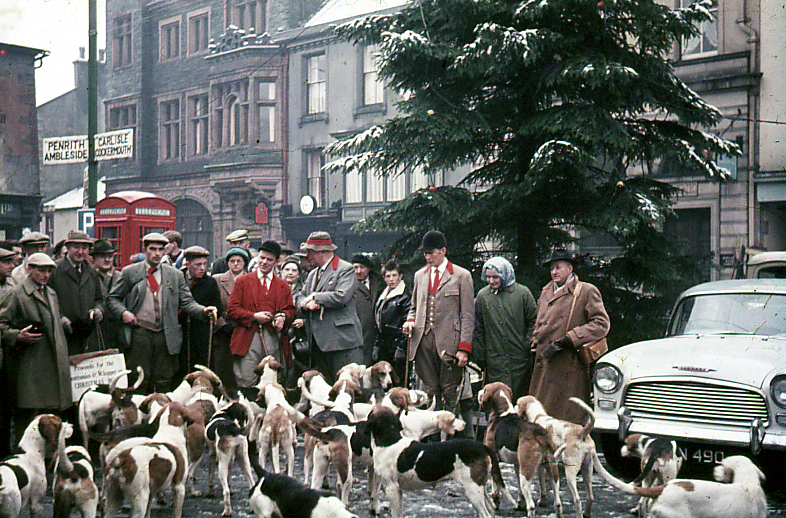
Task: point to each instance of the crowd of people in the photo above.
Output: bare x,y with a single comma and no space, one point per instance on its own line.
309,310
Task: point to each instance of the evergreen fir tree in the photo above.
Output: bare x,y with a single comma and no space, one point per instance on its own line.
564,110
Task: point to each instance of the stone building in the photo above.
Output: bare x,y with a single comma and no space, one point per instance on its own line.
204,89
20,190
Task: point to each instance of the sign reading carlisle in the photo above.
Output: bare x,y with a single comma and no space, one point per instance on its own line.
70,150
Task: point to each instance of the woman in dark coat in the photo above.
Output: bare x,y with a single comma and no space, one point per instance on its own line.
390,312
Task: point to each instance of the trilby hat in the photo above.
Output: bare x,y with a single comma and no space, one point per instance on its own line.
319,242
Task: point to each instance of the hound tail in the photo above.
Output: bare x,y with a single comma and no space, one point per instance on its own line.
314,399
649,492
591,424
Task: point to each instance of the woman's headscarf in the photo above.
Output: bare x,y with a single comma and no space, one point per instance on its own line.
503,268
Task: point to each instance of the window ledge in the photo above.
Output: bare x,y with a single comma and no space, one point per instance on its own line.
313,117
376,109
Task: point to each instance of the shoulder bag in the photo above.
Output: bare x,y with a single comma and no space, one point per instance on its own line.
588,352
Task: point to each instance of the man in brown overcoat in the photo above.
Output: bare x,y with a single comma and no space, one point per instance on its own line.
35,344
559,374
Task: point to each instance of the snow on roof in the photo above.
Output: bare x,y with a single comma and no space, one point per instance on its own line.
336,10
73,199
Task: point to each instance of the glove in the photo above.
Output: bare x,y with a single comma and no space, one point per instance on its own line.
96,315
375,354
66,325
400,355
554,347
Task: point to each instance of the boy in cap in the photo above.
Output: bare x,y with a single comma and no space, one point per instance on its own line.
147,299
173,254
260,305
33,339
328,303
205,291
78,288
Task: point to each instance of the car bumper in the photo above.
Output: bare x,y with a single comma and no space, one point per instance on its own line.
754,438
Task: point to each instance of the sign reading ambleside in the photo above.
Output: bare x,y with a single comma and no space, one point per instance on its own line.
73,149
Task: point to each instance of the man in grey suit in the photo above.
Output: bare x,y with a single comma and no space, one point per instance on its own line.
328,303
147,298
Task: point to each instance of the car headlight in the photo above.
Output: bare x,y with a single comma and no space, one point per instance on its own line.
607,378
778,390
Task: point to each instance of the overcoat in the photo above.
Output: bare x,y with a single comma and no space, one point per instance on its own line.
111,326
565,376
336,326
454,310
205,291
41,374
78,292
503,330
129,294
365,299
248,298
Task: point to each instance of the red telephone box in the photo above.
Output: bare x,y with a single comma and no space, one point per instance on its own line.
125,217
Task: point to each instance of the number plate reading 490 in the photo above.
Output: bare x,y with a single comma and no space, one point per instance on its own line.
696,455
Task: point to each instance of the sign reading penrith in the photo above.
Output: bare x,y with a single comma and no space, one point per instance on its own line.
73,149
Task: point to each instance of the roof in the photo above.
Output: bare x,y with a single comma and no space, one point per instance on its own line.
338,10
738,286
132,196
73,199
766,257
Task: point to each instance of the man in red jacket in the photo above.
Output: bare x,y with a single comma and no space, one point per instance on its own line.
261,305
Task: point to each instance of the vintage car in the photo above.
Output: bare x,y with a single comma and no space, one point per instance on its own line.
716,382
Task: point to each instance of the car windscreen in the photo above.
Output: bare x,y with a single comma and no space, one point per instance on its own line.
730,313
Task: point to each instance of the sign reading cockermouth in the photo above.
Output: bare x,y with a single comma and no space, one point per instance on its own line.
73,149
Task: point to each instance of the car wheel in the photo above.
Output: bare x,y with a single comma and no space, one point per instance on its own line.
626,468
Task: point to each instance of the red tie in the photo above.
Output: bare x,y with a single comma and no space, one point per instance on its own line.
264,281
435,283
151,279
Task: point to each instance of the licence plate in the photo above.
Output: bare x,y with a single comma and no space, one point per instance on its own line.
700,454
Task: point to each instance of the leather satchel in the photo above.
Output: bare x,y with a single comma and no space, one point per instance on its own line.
588,352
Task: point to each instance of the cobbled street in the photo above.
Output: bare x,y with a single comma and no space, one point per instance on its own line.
444,501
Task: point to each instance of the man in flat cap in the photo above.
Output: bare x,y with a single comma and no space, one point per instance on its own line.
78,289
236,238
369,281
31,243
33,339
103,253
441,322
328,303
205,291
147,299
7,265
260,305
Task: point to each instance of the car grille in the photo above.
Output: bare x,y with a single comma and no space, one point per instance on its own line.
696,402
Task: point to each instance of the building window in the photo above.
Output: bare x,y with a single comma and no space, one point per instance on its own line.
396,187
707,39
169,39
691,228
198,32
353,187
372,87
121,30
316,82
316,178
198,125
123,117
231,114
248,15
368,187
194,223
169,148
266,110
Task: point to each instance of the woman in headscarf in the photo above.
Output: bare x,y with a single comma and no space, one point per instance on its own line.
505,313
390,312
237,259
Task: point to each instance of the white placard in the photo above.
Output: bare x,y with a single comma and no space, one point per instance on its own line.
73,149
99,369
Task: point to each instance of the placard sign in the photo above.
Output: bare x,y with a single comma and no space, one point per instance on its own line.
73,149
94,369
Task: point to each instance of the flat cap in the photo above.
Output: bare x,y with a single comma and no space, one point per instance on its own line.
237,235
40,259
6,254
195,252
34,238
155,237
76,236
319,242
364,260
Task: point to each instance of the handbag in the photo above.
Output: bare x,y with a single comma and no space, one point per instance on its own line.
591,351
